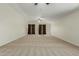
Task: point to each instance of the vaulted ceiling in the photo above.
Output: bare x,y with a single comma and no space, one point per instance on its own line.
53,10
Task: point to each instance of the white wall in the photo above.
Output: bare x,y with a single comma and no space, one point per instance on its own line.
67,28
12,24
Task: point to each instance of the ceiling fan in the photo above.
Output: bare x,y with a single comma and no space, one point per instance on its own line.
45,3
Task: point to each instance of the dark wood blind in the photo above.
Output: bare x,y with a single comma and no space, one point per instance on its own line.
31,28
44,29
40,29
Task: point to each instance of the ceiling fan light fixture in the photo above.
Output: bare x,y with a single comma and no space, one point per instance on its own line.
47,3
35,3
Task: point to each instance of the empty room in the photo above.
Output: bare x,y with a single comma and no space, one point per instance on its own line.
39,29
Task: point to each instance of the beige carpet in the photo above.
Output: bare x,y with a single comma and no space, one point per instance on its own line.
39,46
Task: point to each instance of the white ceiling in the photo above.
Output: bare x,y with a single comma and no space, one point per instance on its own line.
52,10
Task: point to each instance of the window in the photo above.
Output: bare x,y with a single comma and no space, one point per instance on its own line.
31,28
42,29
